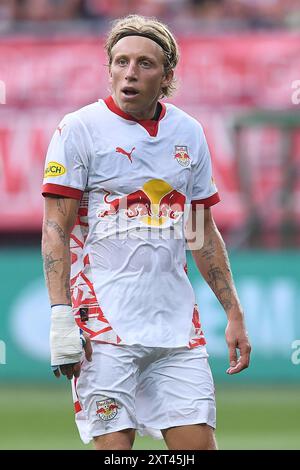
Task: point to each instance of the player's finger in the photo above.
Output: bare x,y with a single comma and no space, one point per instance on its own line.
244,360
70,372
242,364
232,355
76,369
235,370
88,350
56,372
67,369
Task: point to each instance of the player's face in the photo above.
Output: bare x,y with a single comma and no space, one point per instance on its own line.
137,75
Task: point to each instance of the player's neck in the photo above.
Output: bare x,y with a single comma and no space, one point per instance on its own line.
157,112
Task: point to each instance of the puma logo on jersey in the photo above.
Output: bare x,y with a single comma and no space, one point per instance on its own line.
60,129
123,152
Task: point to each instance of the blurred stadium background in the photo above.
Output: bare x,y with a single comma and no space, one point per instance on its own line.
239,74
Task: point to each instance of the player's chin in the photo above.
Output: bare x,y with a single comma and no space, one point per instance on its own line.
128,100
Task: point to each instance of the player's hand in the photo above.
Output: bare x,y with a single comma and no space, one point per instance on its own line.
66,342
70,370
237,340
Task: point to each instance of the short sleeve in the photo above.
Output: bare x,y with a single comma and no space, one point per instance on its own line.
204,188
67,160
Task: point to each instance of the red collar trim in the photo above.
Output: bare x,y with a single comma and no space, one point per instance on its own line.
150,125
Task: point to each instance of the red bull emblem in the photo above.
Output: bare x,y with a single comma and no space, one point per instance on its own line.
107,409
154,204
181,155
134,204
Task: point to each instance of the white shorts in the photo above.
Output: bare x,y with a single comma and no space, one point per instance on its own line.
147,389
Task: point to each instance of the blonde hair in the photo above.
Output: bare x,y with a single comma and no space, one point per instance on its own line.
152,29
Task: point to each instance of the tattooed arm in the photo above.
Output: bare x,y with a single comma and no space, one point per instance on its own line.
59,218
65,344
213,263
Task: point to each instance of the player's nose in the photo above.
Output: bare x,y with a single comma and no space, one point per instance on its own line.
131,72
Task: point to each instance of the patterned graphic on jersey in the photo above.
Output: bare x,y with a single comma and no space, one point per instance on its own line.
197,335
54,169
107,409
82,290
123,152
154,204
83,294
181,155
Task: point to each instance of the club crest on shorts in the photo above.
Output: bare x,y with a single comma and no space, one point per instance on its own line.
181,155
107,409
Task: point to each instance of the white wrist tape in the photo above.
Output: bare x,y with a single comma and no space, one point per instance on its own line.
65,343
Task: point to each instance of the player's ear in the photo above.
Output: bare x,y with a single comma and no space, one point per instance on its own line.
168,77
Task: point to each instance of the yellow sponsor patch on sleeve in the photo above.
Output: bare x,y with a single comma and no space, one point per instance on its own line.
54,169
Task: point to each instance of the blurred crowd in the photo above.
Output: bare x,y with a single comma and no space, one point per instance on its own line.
249,13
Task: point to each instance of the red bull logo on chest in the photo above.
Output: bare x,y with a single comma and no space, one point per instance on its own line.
181,155
155,204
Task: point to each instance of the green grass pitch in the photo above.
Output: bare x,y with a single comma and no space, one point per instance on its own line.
41,417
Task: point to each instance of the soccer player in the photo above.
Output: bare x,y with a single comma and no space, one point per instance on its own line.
119,174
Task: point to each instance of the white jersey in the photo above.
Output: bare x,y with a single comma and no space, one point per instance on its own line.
134,179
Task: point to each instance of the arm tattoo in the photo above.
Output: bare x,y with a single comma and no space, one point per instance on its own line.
49,264
61,206
220,286
209,251
58,229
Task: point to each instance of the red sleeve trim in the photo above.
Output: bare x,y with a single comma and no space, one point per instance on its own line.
59,190
208,202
